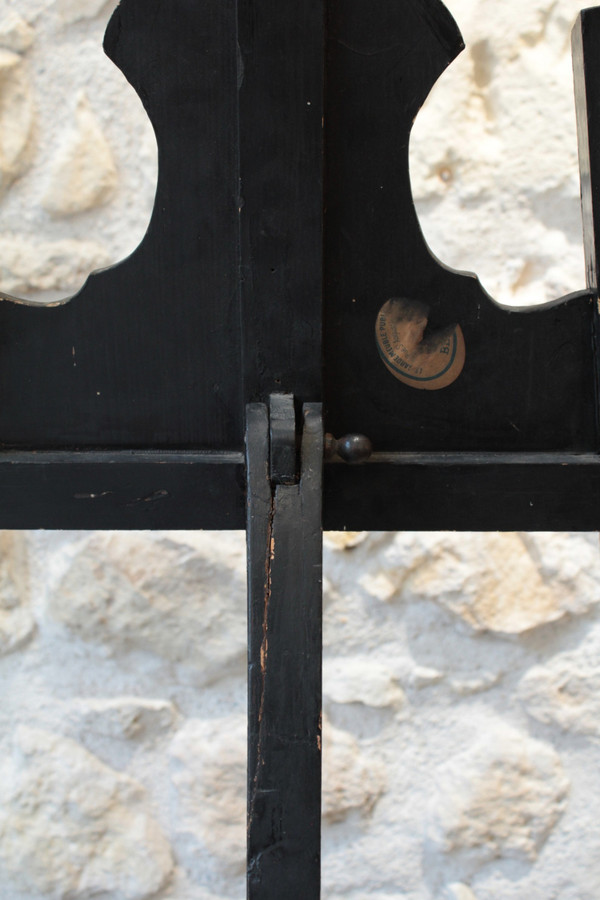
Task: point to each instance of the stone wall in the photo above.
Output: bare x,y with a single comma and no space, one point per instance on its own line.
462,673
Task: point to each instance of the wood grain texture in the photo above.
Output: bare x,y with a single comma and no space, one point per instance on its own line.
122,490
281,172
464,492
285,649
158,351
586,68
148,354
222,301
528,379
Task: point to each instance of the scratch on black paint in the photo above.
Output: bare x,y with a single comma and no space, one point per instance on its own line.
264,655
377,51
256,861
151,498
92,496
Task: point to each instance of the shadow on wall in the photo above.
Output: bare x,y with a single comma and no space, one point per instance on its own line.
78,156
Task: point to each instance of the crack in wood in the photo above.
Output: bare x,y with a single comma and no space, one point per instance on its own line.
285,665
264,654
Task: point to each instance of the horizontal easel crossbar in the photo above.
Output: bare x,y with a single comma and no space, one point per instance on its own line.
465,492
125,489
154,489
485,459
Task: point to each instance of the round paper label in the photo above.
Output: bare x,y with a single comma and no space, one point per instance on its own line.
428,362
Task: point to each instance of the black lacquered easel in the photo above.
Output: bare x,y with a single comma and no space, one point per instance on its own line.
282,295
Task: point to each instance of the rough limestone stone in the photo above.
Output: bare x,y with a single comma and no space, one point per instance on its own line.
208,772
373,895
16,118
344,540
72,827
352,781
177,597
458,891
499,799
15,33
496,181
509,583
61,265
379,585
360,895
358,679
566,691
83,172
17,624
123,718
420,677
72,11
495,175
17,627
465,687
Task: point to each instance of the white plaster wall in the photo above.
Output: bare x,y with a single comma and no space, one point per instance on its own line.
462,673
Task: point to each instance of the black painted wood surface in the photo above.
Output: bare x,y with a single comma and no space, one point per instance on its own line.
163,350
221,302
428,492
281,179
528,380
147,355
125,407
284,652
464,492
122,490
283,439
586,68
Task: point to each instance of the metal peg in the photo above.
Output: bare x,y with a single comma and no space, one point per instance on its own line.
352,448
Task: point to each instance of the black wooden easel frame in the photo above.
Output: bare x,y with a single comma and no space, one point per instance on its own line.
242,329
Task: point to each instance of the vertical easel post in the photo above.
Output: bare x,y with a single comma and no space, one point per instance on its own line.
284,536
586,70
